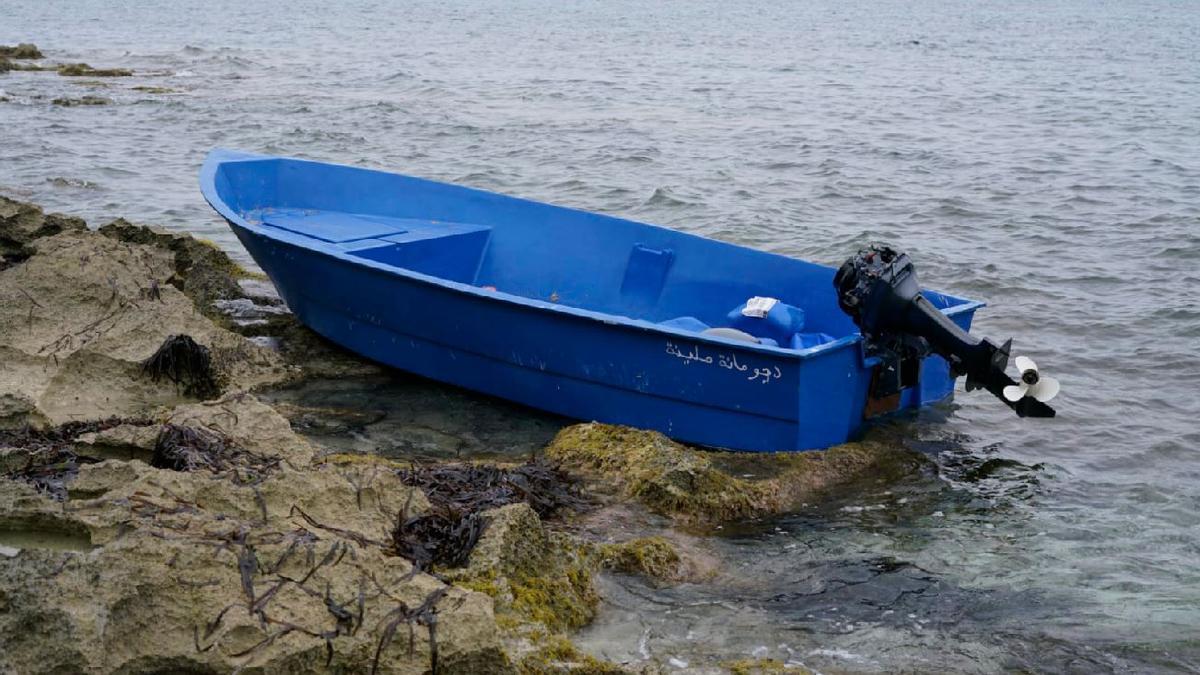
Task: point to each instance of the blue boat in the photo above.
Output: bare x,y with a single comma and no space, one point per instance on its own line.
585,315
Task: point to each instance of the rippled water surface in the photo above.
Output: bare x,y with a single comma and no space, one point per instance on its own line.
1044,157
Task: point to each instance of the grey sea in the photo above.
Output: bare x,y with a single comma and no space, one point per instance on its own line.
1042,156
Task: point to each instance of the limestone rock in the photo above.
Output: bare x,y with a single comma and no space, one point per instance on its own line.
146,569
126,441
82,312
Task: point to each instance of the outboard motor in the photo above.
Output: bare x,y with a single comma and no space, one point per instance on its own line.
878,288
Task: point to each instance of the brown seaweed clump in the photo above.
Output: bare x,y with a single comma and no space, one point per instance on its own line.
459,493
187,364
189,448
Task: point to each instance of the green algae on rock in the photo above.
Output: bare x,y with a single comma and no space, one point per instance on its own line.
534,575
692,486
652,557
147,89
23,50
84,70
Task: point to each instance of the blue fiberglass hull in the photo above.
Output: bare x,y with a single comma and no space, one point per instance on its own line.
585,315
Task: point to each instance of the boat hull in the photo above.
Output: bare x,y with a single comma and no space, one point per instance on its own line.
579,364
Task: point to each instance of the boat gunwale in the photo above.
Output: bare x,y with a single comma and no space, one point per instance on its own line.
220,156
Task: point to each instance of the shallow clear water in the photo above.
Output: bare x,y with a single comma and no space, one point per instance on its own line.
1044,157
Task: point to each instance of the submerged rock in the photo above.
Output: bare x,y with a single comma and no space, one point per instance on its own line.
6,65
694,486
82,100
84,70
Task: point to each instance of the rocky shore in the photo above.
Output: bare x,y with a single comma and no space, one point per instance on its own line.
157,515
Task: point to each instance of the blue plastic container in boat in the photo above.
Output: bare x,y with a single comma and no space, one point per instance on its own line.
585,315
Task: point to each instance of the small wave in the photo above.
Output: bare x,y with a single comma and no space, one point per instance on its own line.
664,196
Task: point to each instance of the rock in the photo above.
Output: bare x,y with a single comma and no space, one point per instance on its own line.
24,50
535,576
84,70
12,459
764,667
652,557
21,223
126,441
691,485
18,409
155,570
145,89
81,312
203,272
83,100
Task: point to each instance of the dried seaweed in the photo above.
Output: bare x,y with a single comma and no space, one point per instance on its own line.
471,488
181,448
51,459
444,537
187,364
458,493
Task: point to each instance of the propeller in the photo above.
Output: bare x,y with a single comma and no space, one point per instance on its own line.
1031,383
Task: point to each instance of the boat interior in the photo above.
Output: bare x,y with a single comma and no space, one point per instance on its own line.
539,251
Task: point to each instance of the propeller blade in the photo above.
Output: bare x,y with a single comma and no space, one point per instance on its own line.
1046,389
1025,363
1015,392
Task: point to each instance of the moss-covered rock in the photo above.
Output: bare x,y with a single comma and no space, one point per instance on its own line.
557,655
652,557
696,486
84,70
147,89
535,576
24,50
763,667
